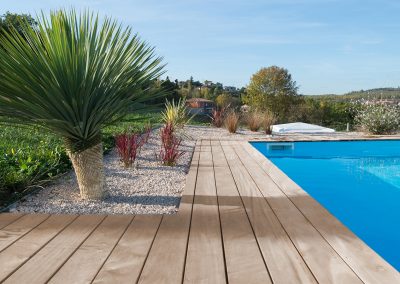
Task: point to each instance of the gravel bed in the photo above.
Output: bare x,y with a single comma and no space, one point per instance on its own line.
204,132
151,188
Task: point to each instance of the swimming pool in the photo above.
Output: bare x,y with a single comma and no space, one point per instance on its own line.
357,181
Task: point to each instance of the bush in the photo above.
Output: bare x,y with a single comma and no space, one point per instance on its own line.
378,119
28,157
129,145
169,153
232,121
268,120
175,113
217,117
254,120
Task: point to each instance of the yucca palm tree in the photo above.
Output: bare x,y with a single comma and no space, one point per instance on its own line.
72,75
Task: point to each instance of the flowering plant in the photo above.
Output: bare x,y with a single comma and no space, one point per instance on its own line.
378,118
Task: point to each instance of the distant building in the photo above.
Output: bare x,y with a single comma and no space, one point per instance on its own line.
230,89
200,106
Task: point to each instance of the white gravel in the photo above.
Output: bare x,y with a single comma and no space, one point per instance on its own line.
203,132
151,188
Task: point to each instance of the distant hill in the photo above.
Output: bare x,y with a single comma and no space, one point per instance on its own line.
372,94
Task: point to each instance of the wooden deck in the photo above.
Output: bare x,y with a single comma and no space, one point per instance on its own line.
241,220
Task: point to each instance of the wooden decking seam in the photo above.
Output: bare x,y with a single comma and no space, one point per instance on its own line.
247,215
219,218
111,251
19,217
22,235
191,207
77,247
32,255
211,246
148,252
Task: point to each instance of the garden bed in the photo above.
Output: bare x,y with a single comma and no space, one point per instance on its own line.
151,188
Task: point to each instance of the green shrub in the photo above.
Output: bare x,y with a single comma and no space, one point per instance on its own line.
378,119
175,113
28,157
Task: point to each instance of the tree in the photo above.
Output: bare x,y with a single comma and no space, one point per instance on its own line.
225,100
272,89
190,86
217,91
73,75
10,20
206,93
171,90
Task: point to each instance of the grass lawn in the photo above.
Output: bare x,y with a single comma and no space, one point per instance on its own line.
200,120
29,156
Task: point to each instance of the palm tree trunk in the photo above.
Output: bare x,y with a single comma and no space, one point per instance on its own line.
89,170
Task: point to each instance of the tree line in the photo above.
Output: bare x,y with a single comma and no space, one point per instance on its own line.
270,89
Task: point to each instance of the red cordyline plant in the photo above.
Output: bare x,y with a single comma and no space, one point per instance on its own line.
129,145
169,153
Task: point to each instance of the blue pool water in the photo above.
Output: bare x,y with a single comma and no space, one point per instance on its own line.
357,181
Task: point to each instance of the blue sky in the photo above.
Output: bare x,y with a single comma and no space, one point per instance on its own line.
329,46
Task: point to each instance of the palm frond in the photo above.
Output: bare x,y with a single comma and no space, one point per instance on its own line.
73,74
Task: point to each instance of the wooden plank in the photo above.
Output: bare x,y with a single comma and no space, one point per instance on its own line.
19,228
367,264
244,261
85,263
7,218
126,261
169,247
284,262
21,250
205,259
42,266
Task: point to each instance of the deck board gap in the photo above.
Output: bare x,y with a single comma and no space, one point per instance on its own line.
12,221
25,233
248,218
148,252
37,251
219,218
191,211
111,251
74,251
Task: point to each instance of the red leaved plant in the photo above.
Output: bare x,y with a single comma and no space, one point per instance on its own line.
169,153
129,145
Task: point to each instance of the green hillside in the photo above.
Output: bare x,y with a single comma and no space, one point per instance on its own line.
379,93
